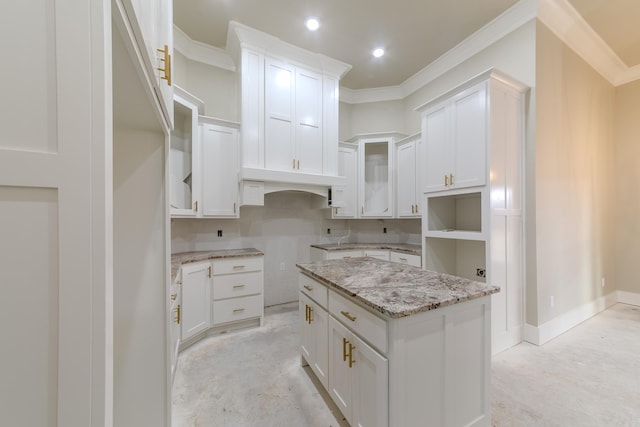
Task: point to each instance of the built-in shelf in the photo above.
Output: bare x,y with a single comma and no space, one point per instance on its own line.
459,257
455,213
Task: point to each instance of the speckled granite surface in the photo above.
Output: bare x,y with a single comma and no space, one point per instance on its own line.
393,289
186,257
398,247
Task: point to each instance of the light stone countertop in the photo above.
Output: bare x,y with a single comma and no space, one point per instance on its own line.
393,289
177,260
398,247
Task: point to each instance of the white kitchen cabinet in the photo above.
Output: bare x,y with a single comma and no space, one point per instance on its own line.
220,165
152,25
348,167
382,254
408,176
289,110
196,301
184,152
403,258
358,378
175,308
455,137
314,329
237,291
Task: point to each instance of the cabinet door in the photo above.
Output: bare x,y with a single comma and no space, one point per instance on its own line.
370,386
469,137
196,301
348,167
376,181
435,136
340,381
406,179
219,171
308,152
306,331
314,333
184,173
279,116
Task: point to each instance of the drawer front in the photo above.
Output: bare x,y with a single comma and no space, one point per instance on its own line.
409,259
237,265
237,285
378,253
231,310
314,289
344,254
370,327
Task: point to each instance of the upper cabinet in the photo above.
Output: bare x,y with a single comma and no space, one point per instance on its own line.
151,25
288,109
455,136
348,167
408,176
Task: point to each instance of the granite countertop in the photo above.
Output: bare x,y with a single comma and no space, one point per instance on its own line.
177,260
398,247
393,289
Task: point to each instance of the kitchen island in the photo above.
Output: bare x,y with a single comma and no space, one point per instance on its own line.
395,345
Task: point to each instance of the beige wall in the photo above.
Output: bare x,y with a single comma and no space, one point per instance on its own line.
371,117
627,139
574,161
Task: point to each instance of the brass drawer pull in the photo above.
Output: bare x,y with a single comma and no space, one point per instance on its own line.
238,286
238,266
177,318
307,287
238,310
348,316
310,315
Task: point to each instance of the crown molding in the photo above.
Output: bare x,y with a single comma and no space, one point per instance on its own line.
512,19
570,27
201,52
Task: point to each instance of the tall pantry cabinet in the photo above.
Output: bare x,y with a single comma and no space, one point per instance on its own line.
473,220
85,352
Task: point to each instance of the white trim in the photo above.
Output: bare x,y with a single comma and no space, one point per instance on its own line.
631,298
512,19
570,27
544,333
201,52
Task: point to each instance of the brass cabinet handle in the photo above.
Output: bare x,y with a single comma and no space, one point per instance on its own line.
446,181
294,164
210,272
450,179
306,313
196,206
344,349
234,207
403,259
298,162
238,286
177,310
166,58
173,297
238,266
417,208
348,316
307,287
238,310
310,315
351,361
362,210
178,282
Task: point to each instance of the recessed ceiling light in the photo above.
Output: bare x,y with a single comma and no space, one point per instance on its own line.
378,52
312,24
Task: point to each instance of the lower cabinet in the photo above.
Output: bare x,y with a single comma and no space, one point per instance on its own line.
358,378
313,337
195,309
237,290
403,258
175,308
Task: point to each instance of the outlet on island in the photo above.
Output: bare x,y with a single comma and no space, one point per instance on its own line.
481,272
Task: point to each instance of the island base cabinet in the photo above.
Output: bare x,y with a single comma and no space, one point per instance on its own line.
358,378
439,363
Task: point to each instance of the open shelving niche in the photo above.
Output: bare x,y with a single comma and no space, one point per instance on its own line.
456,231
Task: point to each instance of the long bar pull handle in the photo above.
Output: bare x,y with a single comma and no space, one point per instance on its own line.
178,310
450,179
306,313
196,206
344,349
446,181
307,287
310,315
351,361
238,310
348,316
166,58
238,286
210,272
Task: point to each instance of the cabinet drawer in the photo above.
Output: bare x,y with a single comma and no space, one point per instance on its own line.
370,327
409,259
344,254
236,265
237,285
377,253
231,310
314,289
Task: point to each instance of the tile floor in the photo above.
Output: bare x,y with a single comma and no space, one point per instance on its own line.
589,376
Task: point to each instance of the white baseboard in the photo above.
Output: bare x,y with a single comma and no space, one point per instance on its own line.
547,331
631,298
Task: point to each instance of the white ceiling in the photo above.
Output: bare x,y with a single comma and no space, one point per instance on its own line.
414,33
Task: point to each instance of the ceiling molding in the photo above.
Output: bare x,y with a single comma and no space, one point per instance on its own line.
512,19
201,52
570,27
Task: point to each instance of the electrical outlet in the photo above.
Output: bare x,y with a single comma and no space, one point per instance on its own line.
282,266
552,301
219,233
603,283
384,230
328,231
481,272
